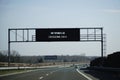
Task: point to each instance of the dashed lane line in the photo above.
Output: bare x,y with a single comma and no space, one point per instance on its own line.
47,74
83,75
41,78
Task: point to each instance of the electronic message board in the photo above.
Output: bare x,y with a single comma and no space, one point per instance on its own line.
62,34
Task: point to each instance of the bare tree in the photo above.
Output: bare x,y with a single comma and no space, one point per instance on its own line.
14,56
3,56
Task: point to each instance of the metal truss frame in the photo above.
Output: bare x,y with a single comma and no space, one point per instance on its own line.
94,34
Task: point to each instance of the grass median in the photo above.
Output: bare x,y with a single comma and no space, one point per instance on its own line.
9,71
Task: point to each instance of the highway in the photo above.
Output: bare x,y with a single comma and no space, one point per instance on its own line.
60,73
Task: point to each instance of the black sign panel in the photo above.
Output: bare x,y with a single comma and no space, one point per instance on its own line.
62,34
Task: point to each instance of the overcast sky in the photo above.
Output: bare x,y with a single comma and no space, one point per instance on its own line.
61,14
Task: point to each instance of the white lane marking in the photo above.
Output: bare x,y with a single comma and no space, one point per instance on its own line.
41,77
84,75
55,71
47,74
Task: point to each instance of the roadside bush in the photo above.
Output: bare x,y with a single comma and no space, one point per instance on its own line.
111,60
98,61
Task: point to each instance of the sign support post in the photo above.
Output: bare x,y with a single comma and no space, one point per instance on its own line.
8,47
102,42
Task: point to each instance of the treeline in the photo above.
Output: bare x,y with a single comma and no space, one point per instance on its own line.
15,57
31,59
112,60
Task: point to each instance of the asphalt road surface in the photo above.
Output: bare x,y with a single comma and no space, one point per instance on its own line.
63,73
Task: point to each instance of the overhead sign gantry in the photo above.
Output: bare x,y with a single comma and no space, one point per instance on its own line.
55,35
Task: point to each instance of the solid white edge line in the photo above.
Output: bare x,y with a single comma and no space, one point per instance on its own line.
83,75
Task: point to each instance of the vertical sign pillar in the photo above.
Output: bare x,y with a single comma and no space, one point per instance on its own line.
102,60
102,42
8,47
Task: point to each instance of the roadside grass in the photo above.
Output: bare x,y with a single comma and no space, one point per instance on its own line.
2,72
